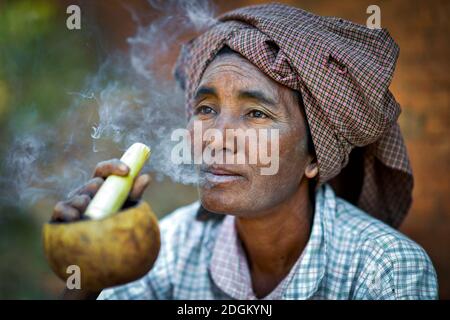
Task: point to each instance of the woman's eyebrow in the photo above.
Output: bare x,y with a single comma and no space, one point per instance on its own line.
258,96
205,91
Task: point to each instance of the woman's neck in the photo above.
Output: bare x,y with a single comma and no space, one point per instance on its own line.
274,241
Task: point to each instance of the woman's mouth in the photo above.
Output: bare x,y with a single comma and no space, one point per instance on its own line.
219,175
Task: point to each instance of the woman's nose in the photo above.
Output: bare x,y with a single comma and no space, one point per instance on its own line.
220,136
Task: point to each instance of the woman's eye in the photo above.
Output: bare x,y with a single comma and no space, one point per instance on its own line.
204,110
257,114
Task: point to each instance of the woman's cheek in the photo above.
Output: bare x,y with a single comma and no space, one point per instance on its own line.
293,155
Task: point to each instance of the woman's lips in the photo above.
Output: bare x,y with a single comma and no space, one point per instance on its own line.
218,175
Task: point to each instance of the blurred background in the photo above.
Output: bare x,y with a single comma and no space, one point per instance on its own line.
42,63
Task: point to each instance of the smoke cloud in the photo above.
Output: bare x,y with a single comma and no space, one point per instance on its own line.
133,97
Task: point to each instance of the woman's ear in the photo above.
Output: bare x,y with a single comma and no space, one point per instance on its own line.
312,170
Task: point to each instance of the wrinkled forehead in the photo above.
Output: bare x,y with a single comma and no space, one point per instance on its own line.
231,63
232,70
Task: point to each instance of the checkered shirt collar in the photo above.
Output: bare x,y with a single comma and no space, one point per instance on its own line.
228,267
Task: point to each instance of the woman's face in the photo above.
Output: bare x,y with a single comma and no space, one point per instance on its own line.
235,94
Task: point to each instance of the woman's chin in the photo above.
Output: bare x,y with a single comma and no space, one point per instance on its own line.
220,202
216,207
230,206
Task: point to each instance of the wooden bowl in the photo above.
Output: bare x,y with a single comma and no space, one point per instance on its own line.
109,252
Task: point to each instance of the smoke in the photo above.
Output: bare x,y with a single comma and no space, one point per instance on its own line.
133,97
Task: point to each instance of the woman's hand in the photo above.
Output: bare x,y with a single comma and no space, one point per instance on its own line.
74,208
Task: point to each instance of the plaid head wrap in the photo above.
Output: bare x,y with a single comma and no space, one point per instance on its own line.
343,71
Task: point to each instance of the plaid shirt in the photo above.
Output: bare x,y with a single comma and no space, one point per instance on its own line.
350,255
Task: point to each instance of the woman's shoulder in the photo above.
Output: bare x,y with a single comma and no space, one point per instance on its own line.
383,256
360,227
183,227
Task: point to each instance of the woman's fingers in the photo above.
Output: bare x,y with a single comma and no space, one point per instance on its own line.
90,188
109,167
62,212
73,209
79,202
139,186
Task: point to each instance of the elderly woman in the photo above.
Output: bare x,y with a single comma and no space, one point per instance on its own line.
322,226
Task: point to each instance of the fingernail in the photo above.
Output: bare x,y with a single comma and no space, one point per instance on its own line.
123,167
